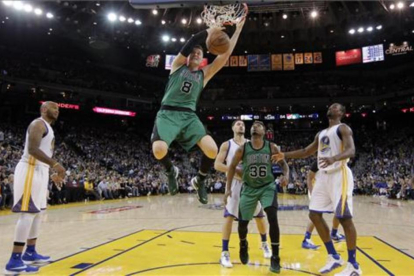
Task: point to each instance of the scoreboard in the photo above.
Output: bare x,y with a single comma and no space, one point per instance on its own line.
373,53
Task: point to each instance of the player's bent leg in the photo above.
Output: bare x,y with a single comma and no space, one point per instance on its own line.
31,256
16,264
261,226
352,267
225,255
335,236
209,148
274,233
307,241
244,245
160,151
334,260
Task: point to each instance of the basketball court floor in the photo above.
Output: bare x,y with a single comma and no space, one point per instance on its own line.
164,235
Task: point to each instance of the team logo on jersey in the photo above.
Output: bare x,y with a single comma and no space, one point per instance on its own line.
324,144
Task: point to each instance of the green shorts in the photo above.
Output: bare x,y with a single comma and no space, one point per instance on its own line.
183,127
266,195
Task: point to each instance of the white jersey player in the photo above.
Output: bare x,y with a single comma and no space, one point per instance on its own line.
231,211
333,187
31,179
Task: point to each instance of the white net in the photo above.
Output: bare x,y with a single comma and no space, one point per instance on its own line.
218,16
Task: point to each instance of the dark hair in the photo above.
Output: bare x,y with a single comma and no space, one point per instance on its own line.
260,123
235,121
198,47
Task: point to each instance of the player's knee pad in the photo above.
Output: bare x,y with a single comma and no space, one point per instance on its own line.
271,213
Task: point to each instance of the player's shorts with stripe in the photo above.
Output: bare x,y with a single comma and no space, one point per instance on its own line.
184,127
30,187
232,206
332,192
250,197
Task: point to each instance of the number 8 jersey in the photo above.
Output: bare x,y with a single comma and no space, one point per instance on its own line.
184,88
257,165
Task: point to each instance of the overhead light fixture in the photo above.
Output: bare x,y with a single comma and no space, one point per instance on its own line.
163,22
314,14
392,6
412,5
98,4
332,31
165,38
28,8
8,3
18,5
379,27
173,39
154,12
184,21
112,17
138,22
38,11
285,16
130,20
182,40
199,21
413,31
351,31
369,29
245,52
400,5
282,36
49,15
122,18
360,30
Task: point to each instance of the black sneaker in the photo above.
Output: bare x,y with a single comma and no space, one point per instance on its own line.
199,186
244,252
275,264
172,180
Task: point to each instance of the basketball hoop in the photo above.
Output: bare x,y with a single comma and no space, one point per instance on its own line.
218,16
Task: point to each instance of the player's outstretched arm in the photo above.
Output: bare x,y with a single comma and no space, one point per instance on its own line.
232,171
349,147
297,154
219,163
181,58
220,60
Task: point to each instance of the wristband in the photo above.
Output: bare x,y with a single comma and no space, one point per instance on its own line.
57,163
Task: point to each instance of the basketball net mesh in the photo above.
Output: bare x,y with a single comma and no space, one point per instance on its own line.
218,16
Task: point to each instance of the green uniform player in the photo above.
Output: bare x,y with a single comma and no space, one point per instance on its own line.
177,120
258,186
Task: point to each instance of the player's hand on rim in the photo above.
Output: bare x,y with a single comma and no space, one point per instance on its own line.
278,157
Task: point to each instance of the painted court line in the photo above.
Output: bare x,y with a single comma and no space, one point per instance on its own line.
375,262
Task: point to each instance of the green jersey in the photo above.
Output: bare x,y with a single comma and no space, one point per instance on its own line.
257,165
184,88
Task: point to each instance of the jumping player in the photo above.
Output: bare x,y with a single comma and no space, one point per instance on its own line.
177,121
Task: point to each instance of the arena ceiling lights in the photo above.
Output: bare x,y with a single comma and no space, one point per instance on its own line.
113,17
27,8
361,29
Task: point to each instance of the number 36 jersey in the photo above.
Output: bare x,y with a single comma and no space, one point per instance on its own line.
184,88
257,165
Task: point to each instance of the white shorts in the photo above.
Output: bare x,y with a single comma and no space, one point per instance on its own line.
232,207
332,193
30,187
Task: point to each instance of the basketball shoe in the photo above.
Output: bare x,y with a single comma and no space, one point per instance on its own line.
308,244
267,254
334,261
275,264
338,238
225,259
172,176
16,266
33,257
350,270
199,186
244,252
